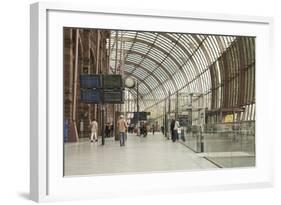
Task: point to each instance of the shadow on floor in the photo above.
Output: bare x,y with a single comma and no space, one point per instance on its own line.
24,196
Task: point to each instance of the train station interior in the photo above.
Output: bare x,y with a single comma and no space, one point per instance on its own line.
202,83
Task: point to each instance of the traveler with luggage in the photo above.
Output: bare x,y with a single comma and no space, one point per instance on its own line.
143,129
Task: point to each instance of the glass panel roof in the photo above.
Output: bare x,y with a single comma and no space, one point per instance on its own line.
167,61
140,73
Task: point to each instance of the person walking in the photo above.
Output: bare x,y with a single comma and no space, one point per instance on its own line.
153,129
122,126
172,126
111,130
162,129
107,130
94,130
176,129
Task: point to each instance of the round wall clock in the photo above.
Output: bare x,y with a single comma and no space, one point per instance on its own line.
129,82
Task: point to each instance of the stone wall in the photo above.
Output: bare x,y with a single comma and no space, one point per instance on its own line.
91,60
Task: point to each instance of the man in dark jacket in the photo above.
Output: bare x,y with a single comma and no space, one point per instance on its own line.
172,126
107,130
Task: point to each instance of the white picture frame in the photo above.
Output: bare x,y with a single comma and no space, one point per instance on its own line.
46,179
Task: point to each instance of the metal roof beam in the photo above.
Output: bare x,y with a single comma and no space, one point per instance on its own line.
149,72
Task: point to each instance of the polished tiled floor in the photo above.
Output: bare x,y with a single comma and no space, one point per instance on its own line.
151,154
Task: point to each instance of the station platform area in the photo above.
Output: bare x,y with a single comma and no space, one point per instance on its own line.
153,153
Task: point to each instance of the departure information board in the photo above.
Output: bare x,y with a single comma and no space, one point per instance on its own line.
112,82
100,89
184,120
113,96
140,115
90,81
91,96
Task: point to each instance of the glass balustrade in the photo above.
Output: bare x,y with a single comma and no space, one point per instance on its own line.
225,144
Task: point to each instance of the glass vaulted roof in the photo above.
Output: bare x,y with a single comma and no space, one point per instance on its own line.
166,62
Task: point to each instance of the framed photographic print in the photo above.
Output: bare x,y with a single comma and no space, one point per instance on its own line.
131,102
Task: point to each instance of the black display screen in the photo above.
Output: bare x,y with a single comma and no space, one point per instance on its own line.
183,120
140,115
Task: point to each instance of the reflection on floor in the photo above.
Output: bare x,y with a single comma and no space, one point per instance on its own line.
224,154
230,159
151,154
235,161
